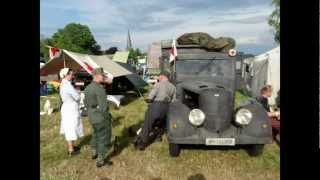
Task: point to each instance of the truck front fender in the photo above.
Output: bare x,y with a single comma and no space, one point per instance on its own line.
260,125
178,125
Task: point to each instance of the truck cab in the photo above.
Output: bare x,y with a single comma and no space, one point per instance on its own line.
204,112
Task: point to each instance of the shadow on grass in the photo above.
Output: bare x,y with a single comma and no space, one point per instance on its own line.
197,177
85,141
277,139
123,141
55,110
129,97
209,148
104,178
116,121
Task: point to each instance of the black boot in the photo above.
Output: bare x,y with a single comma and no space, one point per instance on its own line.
95,156
73,153
101,163
138,143
76,148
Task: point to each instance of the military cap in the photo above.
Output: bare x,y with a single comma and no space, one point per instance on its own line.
98,71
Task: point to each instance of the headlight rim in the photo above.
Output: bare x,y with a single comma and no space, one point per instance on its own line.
201,113
237,114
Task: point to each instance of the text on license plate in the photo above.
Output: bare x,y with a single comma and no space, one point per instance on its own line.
221,141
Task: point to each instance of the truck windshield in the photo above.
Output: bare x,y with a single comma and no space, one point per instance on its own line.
205,67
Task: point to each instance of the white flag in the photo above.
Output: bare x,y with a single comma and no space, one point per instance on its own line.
173,51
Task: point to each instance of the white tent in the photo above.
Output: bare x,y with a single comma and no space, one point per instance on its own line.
263,69
78,61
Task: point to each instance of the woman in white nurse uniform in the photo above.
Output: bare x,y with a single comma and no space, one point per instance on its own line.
71,124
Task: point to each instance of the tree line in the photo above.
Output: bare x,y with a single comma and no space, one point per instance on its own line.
78,38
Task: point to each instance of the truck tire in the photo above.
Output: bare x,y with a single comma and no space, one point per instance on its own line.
256,150
174,149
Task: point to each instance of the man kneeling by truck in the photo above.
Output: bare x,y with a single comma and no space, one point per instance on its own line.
274,116
159,98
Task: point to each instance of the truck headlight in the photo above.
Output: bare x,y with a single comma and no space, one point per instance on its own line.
243,117
196,117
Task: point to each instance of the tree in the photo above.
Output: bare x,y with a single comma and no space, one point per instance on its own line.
111,50
76,37
274,20
134,54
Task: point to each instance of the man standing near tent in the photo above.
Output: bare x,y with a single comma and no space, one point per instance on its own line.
99,117
160,96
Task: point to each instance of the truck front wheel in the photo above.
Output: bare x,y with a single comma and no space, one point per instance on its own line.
174,149
256,149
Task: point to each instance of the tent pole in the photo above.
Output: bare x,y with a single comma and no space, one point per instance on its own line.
139,92
64,61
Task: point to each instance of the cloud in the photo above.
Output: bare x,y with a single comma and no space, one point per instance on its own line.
154,20
249,20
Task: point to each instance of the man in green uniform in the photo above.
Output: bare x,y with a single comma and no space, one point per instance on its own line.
99,117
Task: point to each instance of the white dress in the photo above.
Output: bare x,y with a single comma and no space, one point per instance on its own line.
71,124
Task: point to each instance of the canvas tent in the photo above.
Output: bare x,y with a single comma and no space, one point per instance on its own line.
142,61
133,77
78,61
121,56
261,70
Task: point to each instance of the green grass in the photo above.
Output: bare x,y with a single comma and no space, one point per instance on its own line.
154,162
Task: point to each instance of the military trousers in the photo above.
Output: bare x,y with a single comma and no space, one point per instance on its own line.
155,115
101,138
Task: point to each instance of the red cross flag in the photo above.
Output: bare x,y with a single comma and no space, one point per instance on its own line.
89,68
54,52
173,51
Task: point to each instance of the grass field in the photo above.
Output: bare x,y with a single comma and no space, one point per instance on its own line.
154,163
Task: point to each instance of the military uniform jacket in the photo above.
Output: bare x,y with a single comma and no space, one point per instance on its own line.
96,103
163,91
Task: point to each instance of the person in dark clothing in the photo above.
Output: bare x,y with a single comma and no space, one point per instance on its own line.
99,117
159,98
275,115
265,93
43,88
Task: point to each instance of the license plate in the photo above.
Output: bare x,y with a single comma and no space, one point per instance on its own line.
220,141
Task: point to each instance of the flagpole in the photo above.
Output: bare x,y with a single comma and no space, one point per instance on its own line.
174,65
174,60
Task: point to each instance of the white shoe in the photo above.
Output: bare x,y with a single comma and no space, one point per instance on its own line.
50,110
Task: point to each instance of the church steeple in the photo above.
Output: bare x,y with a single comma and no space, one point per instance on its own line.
129,42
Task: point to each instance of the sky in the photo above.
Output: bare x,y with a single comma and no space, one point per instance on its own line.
155,20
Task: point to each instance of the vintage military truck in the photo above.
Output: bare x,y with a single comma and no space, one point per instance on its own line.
204,112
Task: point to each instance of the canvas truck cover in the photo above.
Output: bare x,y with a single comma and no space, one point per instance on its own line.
221,44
